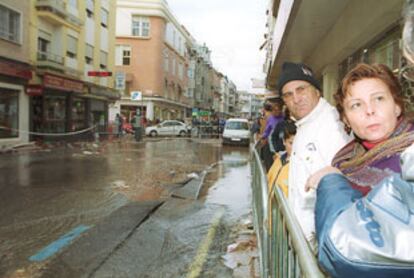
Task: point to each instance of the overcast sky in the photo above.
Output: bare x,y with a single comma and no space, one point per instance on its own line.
232,29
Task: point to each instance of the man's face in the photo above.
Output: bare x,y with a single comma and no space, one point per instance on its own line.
300,98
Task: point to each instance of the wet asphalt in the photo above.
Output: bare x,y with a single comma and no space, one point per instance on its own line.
109,209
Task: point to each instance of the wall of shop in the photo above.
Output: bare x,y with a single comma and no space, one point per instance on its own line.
14,115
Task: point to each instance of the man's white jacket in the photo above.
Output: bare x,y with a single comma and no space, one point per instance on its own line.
320,135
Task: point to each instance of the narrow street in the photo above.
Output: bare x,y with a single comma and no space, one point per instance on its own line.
160,208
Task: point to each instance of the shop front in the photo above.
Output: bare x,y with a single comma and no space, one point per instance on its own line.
14,103
99,99
58,109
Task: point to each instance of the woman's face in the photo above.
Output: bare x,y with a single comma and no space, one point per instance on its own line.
370,110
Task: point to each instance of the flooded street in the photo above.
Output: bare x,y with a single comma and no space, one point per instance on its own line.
88,192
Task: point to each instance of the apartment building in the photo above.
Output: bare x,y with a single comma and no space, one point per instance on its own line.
203,93
15,72
72,46
244,104
216,92
232,99
152,56
332,37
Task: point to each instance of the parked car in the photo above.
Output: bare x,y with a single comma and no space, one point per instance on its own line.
168,128
236,132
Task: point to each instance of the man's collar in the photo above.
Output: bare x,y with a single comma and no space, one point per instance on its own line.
314,113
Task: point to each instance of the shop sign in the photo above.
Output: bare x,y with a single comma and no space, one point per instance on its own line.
15,70
120,80
204,113
34,90
56,82
104,92
100,73
194,112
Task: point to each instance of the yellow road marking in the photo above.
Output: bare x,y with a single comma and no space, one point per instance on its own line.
197,264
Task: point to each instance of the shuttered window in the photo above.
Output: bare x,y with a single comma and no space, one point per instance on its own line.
104,60
10,24
89,54
72,47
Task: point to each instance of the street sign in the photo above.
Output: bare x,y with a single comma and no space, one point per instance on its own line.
136,95
120,80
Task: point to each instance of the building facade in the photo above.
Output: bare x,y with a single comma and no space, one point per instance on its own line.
244,104
152,54
72,43
15,72
334,36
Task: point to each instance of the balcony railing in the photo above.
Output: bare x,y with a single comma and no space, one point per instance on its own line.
49,57
55,6
50,60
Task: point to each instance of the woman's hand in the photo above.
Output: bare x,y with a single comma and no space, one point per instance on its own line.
315,178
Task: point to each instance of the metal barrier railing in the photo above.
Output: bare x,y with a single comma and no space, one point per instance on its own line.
206,131
284,251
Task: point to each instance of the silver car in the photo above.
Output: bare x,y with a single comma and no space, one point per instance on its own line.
167,128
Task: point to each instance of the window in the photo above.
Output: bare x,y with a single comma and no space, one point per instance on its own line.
89,8
140,26
166,62
104,18
173,66
89,54
9,113
190,73
9,24
104,60
126,57
165,88
123,55
72,47
180,70
55,113
43,45
78,114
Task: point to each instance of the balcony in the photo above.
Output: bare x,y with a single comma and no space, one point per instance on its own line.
50,60
56,7
55,12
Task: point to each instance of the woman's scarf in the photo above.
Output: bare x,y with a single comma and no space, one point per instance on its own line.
365,168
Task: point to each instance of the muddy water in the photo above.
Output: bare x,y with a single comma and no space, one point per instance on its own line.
43,195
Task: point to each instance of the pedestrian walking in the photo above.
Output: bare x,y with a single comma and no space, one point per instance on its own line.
119,122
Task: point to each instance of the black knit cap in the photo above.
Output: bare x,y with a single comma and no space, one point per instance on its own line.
293,71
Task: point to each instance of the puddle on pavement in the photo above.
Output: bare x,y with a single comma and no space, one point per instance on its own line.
46,194
229,182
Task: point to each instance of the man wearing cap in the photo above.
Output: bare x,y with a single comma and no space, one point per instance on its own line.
320,134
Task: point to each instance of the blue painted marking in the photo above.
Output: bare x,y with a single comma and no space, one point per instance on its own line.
55,246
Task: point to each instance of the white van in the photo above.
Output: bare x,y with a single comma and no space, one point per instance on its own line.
236,131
